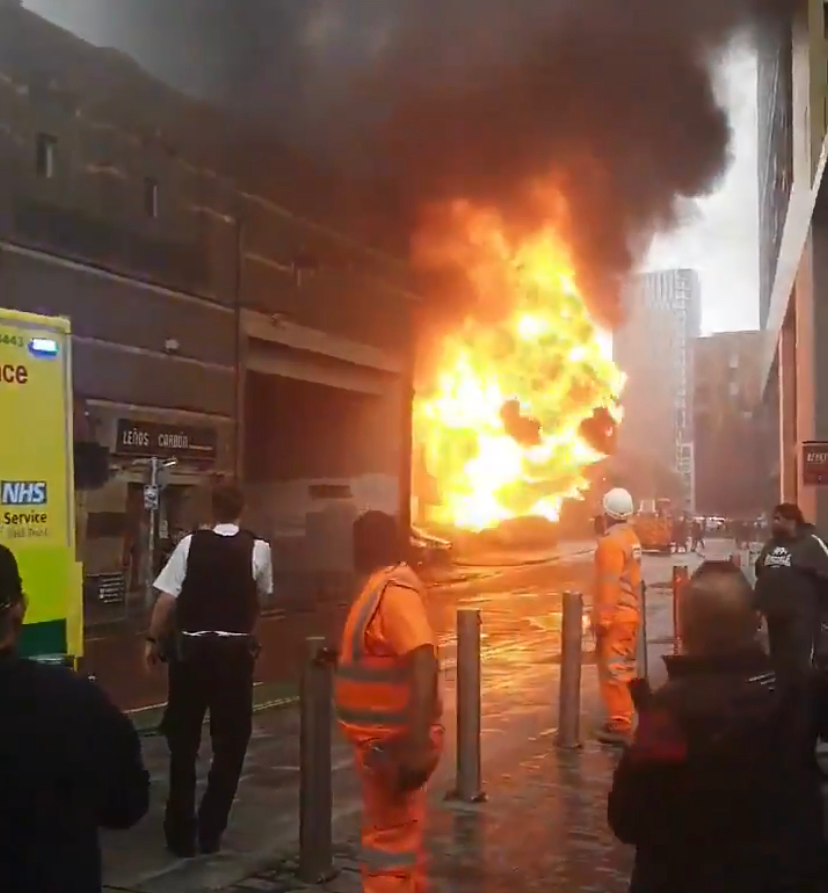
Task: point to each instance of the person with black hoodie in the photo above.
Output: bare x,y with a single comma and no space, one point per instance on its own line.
791,589
70,764
719,791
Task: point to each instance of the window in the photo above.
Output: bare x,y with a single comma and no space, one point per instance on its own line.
45,155
151,197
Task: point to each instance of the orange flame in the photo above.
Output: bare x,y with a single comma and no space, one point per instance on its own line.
546,353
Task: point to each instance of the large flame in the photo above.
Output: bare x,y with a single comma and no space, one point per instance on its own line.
499,423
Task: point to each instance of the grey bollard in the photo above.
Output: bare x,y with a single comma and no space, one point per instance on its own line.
642,657
469,782
569,696
315,782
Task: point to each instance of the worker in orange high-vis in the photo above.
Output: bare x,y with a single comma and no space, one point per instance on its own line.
616,613
388,705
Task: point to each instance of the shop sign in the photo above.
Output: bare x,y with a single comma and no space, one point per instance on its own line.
135,438
815,463
108,589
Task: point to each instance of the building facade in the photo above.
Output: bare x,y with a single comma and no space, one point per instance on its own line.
211,326
794,368
731,446
654,348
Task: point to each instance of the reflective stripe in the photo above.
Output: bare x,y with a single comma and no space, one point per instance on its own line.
370,718
366,612
357,667
363,673
217,633
378,861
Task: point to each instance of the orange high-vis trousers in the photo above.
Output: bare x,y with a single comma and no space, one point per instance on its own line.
616,658
393,825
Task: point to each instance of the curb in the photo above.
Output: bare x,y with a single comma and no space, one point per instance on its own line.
550,559
154,730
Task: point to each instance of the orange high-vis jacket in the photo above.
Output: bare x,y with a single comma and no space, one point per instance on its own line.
617,577
372,685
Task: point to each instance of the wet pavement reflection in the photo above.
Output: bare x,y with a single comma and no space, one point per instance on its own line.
544,823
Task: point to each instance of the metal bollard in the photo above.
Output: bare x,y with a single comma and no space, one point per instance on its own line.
315,782
680,577
469,782
643,658
569,695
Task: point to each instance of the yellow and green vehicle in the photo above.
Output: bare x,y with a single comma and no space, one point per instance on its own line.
37,480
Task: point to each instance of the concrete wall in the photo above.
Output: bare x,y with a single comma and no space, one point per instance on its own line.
158,291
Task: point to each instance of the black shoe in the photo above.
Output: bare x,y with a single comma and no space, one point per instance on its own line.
614,737
209,847
181,849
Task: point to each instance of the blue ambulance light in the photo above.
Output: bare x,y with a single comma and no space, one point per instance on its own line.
43,347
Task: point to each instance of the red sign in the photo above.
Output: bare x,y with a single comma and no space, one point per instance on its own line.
815,463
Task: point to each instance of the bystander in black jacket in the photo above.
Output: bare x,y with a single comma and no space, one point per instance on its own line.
70,763
720,790
791,589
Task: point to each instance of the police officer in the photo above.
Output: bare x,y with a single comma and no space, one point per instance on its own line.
70,763
209,601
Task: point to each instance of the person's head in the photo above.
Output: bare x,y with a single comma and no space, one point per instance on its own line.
617,506
227,502
12,600
787,519
716,610
377,542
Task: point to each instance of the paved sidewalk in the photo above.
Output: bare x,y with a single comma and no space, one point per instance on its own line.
544,822
543,828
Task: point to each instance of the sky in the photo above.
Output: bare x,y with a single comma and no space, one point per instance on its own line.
719,237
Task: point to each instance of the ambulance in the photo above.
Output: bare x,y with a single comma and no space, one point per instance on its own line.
37,480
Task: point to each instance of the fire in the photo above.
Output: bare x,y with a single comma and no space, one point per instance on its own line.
500,424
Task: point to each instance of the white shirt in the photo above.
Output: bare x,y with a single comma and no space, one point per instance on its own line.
171,578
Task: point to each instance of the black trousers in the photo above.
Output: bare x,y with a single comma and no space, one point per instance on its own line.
214,675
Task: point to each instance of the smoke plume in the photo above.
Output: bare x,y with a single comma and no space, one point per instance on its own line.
430,100
611,103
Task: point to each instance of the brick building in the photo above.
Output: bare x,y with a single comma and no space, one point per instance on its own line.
211,324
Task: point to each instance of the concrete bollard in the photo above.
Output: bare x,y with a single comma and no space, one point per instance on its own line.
315,774
469,783
642,657
569,695
680,577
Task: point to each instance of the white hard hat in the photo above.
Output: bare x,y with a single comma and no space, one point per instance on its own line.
618,504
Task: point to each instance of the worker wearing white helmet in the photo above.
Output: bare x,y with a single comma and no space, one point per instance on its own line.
616,612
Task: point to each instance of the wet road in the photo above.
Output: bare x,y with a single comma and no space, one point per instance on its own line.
116,660
519,608
521,623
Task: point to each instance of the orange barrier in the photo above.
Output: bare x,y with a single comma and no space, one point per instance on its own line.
680,577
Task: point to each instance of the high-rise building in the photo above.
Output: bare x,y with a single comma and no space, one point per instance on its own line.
732,444
654,348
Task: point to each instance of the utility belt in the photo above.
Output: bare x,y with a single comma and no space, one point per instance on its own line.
183,645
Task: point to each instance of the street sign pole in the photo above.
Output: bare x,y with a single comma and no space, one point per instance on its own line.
152,503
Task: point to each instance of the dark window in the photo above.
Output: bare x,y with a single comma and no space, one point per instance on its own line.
151,197
45,152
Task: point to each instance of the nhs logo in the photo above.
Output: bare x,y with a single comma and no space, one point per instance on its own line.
22,492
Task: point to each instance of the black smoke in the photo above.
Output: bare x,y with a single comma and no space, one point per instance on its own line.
427,100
